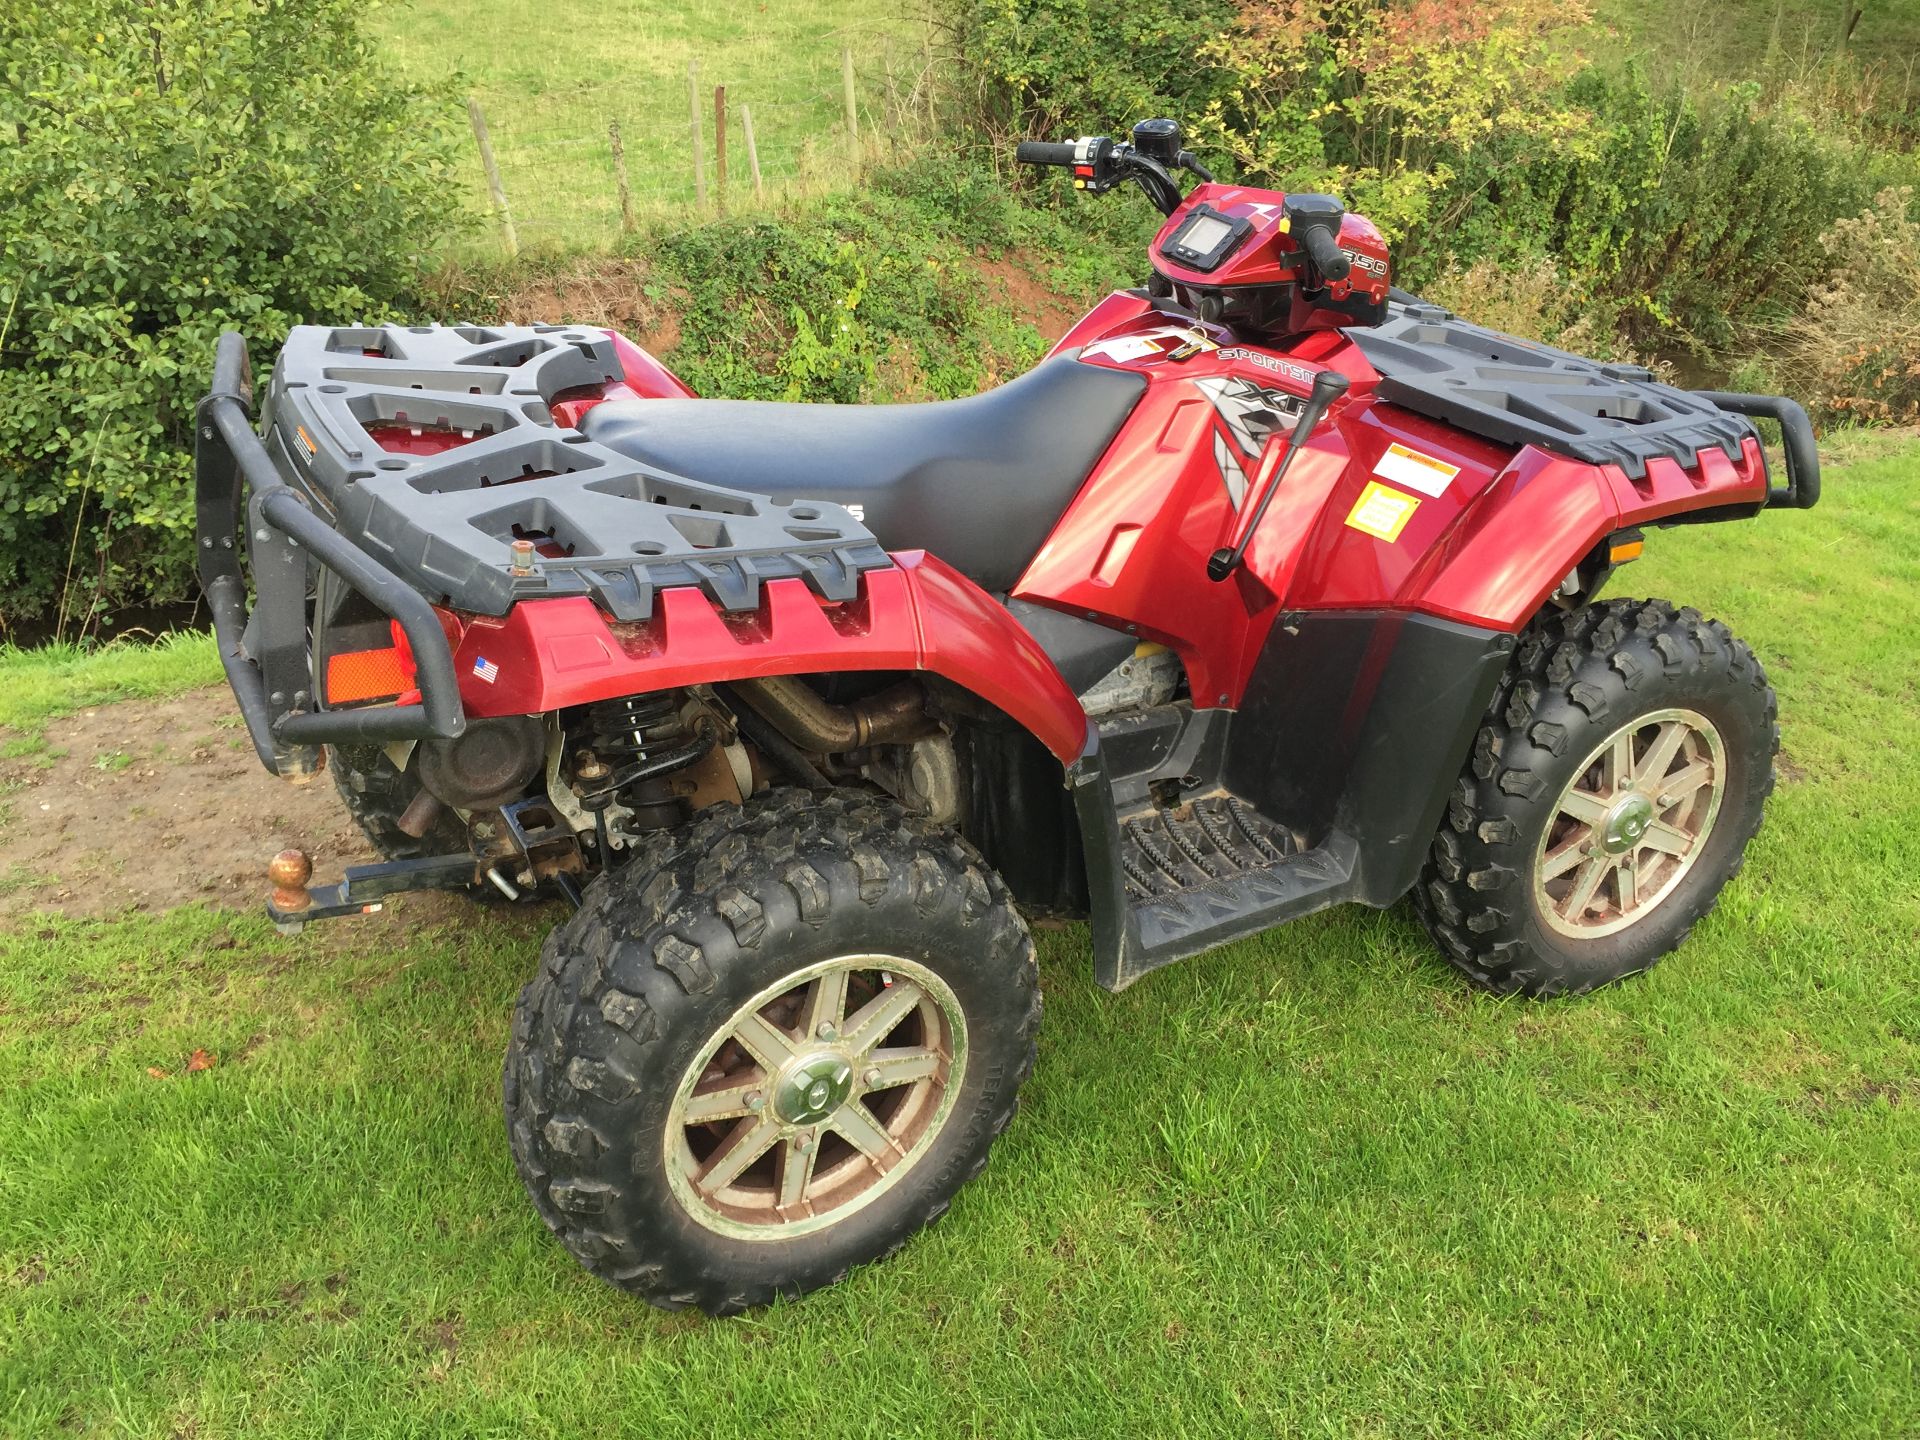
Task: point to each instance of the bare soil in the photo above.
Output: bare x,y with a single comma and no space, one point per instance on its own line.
144,805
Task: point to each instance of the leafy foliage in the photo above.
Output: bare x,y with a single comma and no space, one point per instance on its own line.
172,169
1390,104
1678,214
1856,348
1480,140
1051,67
872,296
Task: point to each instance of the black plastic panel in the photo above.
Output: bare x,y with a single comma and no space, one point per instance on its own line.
1519,392
1358,723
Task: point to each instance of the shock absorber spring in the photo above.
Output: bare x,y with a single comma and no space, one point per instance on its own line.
633,743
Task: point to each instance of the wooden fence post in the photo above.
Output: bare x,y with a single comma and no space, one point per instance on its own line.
853,111
699,163
620,177
753,152
720,147
495,190
927,76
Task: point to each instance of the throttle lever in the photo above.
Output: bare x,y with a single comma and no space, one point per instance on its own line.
1328,386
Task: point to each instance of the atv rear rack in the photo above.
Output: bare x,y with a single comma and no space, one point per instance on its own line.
265,651
425,464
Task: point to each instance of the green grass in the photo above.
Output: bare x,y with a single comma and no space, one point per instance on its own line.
1307,1185
551,77
37,685
1731,39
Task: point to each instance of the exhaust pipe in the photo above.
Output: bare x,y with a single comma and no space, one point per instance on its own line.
895,715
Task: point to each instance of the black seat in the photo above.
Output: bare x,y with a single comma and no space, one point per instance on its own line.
978,482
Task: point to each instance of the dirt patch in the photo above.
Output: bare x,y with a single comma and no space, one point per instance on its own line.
1029,297
601,291
146,804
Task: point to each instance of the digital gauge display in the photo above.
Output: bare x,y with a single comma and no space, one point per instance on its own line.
1205,238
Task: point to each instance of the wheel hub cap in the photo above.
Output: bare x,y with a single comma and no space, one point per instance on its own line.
1630,825
1627,824
813,1087
816,1096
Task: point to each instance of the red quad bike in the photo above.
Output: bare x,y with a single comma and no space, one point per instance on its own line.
1270,588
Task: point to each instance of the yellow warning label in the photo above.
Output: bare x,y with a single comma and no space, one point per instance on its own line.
1382,511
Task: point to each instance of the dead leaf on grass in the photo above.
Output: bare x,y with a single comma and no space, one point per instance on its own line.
200,1060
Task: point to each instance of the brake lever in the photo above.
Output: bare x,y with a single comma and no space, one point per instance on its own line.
1189,161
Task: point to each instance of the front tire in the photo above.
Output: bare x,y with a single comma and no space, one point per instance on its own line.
771,1048
1613,787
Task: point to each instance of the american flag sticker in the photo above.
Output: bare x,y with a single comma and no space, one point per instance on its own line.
485,669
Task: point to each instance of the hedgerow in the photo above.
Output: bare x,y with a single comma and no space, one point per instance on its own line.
170,169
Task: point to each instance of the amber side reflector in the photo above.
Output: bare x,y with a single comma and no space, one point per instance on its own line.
1622,551
366,675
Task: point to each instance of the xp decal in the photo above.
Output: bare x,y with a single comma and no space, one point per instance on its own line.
1251,413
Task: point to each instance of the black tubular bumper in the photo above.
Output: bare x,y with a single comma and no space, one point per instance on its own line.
265,650
1802,490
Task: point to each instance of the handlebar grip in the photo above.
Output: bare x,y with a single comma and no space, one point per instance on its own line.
1044,152
1327,256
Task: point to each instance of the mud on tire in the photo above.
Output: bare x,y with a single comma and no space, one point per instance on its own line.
632,987
1575,679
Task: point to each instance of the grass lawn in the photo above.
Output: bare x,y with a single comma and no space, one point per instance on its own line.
551,77
1730,39
1304,1185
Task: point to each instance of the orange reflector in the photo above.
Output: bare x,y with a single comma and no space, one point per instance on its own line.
366,675
1622,551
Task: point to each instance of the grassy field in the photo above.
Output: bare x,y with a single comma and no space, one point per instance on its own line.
1306,1185
551,77
1731,39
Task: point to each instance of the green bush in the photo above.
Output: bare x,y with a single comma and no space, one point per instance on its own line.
885,294
1474,135
173,168
1854,352
1061,68
1682,216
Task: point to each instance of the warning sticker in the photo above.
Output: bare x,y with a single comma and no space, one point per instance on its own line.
1382,511
1415,471
1125,348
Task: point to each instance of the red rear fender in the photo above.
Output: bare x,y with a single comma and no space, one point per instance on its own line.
919,615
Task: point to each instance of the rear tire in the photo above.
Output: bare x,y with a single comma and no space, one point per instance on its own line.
1560,794
689,984
377,793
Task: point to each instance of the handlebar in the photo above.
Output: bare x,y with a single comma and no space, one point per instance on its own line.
1100,163
1323,248
1044,152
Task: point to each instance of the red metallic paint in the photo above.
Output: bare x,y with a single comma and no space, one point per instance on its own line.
645,379
1131,548
646,376
919,615
1269,255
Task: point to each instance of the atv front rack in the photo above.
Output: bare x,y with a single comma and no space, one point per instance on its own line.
264,651
1522,392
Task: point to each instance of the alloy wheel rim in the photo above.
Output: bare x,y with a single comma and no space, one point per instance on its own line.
1630,825
815,1097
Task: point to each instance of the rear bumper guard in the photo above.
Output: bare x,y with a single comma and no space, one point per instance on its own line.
1802,490
265,649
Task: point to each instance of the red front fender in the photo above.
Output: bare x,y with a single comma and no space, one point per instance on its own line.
920,615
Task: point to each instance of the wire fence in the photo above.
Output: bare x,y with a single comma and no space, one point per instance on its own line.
579,166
